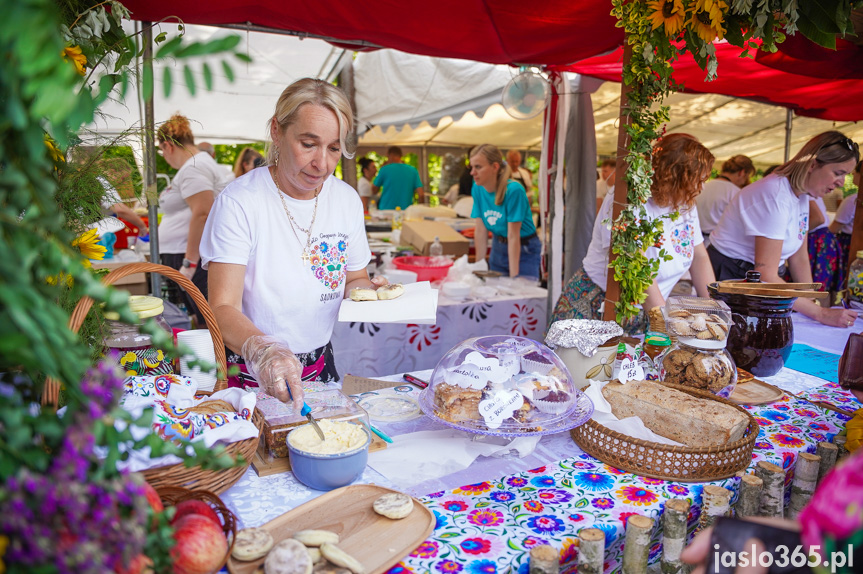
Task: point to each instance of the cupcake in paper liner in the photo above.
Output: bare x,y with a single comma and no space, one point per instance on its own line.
553,402
536,363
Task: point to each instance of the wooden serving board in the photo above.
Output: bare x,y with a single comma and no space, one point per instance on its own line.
755,392
265,465
781,291
376,541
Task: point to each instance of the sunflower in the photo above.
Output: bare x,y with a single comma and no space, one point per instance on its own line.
668,13
716,9
74,53
88,244
703,24
57,156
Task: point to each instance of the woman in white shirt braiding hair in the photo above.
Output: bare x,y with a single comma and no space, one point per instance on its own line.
765,226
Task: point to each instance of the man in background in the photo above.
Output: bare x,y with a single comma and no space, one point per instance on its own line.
207,147
605,183
399,182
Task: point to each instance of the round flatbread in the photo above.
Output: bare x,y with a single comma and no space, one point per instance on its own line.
314,538
341,558
394,505
251,544
288,557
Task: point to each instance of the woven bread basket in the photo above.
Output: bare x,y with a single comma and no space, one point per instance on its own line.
176,475
172,496
677,463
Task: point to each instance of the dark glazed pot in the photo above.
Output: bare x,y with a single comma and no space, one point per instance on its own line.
761,333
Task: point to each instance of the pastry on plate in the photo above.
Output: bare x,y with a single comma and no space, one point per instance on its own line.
390,291
363,294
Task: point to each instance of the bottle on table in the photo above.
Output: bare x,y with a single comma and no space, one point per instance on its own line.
397,219
855,282
436,249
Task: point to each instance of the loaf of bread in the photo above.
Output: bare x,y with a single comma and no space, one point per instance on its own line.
363,294
676,415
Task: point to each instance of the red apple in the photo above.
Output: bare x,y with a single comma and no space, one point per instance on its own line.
140,564
201,545
153,498
196,507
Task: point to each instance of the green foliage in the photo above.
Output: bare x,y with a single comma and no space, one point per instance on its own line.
434,167
44,203
227,153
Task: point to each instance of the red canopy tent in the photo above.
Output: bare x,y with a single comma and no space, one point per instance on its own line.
494,31
767,78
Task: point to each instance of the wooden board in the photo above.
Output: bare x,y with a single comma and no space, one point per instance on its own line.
770,291
377,542
755,392
265,465
743,284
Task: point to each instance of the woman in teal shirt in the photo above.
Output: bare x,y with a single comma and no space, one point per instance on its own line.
500,205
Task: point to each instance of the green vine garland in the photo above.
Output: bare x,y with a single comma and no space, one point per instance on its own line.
658,32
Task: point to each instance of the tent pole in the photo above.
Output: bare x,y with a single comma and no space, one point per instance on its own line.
152,193
789,117
612,292
346,83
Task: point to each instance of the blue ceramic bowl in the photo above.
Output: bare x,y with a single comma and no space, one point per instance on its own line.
329,471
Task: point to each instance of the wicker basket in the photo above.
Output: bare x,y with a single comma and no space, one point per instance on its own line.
172,496
177,475
678,463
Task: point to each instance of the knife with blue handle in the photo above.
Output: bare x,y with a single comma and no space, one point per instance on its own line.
306,411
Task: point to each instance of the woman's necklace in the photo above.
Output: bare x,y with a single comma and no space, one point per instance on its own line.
294,225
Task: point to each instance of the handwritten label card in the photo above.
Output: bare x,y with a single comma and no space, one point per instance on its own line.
467,376
630,370
500,407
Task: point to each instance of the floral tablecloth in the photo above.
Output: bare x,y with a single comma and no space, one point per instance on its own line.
490,527
377,349
834,395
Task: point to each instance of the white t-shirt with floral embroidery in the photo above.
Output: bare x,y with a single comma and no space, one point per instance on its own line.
679,239
767,208
283,296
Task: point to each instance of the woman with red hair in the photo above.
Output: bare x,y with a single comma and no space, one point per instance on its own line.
681,165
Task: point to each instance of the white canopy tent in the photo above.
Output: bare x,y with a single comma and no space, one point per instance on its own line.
232,112
409,100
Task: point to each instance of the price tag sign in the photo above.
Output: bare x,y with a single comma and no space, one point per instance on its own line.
630,370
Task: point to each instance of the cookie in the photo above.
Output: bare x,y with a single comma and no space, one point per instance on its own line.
288,557
316,537
251,544
394,505
341,558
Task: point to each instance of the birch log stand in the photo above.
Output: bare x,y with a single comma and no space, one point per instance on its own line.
828,453
636,546
674,519
749,497
591,551
805,480
773,494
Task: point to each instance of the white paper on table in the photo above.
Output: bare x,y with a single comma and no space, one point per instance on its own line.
417,457
630,426
417,305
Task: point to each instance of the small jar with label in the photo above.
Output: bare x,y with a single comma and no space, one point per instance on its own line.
655,344
136,353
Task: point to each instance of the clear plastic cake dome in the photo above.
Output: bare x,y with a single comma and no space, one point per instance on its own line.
504,385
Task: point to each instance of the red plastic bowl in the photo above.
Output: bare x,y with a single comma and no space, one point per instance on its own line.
420,265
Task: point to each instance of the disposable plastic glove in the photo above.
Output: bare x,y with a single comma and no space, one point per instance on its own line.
275,367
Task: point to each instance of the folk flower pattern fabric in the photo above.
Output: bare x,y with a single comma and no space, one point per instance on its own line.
490,527
834,395
379,349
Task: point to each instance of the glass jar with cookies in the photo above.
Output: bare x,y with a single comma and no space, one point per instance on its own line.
699,358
